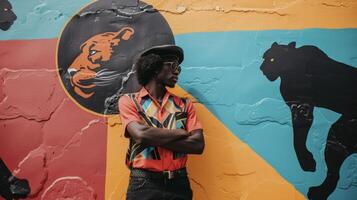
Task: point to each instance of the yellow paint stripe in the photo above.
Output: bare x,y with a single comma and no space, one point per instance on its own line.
117,174
186,16
227,170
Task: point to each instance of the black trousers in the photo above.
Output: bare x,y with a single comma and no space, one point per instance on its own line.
141,188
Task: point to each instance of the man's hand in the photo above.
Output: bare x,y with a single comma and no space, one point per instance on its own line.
152,136
193,144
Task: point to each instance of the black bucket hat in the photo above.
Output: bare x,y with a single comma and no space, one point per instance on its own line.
165,51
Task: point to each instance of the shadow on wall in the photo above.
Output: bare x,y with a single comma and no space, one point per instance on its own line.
7,16
309,78
10,186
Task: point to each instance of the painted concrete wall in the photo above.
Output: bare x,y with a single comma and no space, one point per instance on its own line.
56,144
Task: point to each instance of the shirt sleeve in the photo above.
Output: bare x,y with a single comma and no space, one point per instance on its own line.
192,122
128,113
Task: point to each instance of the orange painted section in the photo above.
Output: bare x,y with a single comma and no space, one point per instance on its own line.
117,174
228,169
187,16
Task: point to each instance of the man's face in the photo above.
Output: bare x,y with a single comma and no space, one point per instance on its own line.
170,70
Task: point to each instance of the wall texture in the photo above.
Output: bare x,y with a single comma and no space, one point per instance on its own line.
261,117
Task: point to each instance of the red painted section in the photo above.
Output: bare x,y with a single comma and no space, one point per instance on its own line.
28,54
15,143
45,137
72,187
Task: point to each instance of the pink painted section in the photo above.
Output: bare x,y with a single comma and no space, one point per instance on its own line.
28,54
45,137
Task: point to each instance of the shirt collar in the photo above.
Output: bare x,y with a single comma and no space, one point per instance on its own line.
143,92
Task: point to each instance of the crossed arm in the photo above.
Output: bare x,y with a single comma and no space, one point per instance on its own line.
177,140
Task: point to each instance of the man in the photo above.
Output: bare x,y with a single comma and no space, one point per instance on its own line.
162,128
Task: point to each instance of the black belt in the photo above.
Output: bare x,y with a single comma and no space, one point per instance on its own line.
158,175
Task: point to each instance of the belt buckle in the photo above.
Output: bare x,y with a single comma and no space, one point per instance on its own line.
170,174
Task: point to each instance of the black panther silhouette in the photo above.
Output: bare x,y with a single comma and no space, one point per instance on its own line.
310,78
7,17
10,186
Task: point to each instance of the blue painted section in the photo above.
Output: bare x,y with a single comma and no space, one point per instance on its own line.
221,69
40,19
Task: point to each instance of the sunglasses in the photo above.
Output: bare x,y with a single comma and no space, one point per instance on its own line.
173,66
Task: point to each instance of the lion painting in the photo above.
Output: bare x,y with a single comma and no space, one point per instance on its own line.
87,65
309,79
98,47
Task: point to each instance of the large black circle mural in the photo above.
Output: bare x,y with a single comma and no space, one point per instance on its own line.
98,47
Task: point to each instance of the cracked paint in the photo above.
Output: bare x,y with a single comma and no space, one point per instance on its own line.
50,140
51,130
69,187
35,164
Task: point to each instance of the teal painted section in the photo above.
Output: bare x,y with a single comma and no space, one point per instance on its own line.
221,69
40,19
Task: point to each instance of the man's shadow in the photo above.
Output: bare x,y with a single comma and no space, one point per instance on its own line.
7,16
309,78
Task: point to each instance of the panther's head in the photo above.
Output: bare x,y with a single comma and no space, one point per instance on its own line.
7,16
277,60
94,53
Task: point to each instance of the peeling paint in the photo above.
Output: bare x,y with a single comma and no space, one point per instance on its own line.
63,147
69,187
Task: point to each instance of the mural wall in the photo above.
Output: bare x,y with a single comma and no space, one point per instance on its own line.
274,84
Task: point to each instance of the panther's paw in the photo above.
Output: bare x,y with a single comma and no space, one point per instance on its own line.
316,193
308,162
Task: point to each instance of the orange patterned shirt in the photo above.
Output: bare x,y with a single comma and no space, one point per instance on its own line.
174,112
